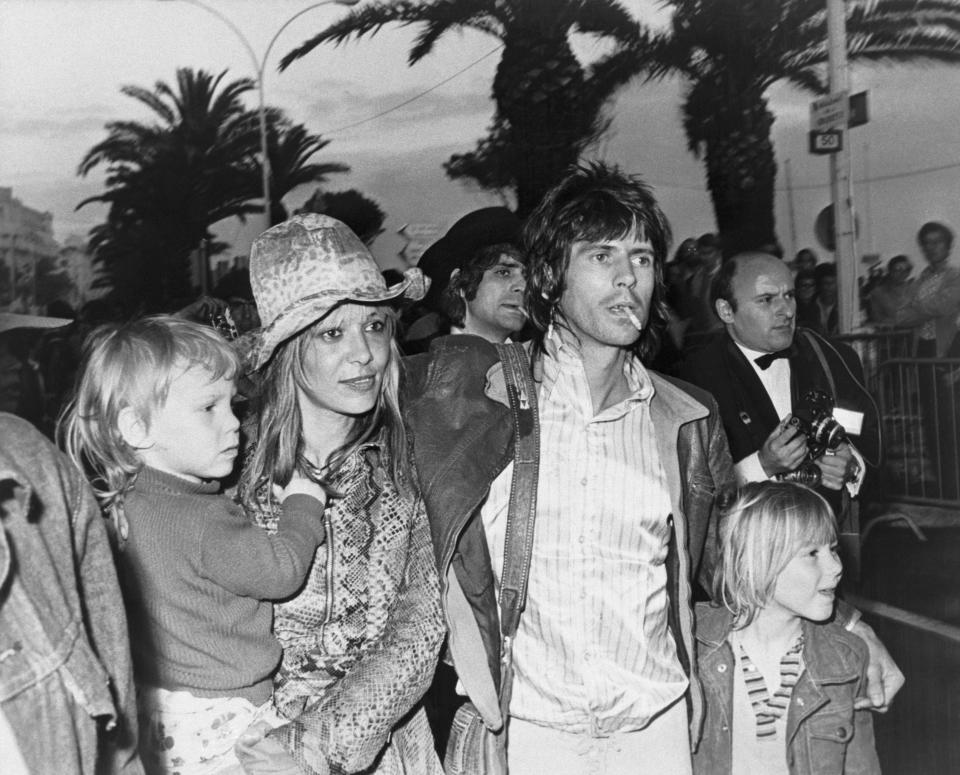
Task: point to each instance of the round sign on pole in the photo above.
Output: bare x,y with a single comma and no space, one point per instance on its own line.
825,231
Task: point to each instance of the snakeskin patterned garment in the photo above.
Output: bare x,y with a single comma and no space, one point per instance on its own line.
360,640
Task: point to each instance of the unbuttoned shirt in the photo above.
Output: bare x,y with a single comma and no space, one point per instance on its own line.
593,653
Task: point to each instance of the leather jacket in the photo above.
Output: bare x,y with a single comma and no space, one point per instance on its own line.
825,736
461,433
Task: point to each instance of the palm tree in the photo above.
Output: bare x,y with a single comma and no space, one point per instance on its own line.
731,52
168,182
291,147
548,104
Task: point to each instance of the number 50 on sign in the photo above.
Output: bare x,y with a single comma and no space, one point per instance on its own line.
826,141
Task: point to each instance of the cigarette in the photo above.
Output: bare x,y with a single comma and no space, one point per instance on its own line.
634,319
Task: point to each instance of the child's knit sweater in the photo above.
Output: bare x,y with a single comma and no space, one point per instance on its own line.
196,575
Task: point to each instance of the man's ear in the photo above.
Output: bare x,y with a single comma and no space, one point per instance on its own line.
133,428
547,280
724,310
453,276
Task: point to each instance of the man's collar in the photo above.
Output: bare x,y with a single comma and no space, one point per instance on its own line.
762,359
563,352
748,353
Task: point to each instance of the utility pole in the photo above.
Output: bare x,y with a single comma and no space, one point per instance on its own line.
848,303
794,247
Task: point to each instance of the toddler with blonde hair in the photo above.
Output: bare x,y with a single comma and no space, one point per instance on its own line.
152,424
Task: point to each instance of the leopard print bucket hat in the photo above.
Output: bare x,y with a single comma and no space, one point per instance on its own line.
302,268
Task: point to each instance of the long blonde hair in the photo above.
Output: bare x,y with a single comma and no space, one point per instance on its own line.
276,430
131,365
762,530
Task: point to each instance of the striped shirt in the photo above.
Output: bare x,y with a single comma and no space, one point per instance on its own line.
749,754
593,653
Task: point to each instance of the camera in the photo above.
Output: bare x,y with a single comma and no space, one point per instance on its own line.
814,418
222,323
807,473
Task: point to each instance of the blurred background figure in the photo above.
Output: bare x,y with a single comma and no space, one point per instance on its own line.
805,259
22,389
931,310
805,287
234,288
891,293
932,307
703,320
826,300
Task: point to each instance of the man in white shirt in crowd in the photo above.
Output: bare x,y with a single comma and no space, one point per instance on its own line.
762,368
630,464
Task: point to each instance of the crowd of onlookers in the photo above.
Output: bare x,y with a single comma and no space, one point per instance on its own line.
477,275
292,621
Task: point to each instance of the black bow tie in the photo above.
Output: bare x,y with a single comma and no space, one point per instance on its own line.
764,361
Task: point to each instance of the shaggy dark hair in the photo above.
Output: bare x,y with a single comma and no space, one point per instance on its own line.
594,202
463,286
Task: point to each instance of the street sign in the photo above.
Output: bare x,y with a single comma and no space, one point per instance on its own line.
830,112
858,109
826,141
428,232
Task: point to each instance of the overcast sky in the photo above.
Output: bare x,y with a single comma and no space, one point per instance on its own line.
62,63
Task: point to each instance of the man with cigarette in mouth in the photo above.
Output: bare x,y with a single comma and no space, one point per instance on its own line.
629,465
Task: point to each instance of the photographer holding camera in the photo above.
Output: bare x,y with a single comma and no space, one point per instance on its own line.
792,403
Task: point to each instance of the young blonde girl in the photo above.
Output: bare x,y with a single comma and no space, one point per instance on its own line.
153,425
781,679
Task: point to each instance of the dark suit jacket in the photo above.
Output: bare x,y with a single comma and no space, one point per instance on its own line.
746,410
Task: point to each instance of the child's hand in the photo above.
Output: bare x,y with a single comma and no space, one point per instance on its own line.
300,485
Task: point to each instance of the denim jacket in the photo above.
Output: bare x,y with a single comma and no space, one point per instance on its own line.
825,735
461,430
66,682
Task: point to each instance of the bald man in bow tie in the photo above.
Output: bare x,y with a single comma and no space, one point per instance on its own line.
762,366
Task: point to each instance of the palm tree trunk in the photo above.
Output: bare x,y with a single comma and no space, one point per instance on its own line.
741,172
538,88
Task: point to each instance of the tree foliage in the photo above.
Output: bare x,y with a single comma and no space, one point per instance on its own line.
730,52
169,181
549,105
362,214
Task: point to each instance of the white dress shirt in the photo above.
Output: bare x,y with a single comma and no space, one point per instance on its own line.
776,381
593,654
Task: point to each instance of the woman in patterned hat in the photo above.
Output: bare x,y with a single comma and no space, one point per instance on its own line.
361,637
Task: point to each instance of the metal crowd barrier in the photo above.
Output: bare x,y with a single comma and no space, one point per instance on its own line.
919,401
877,348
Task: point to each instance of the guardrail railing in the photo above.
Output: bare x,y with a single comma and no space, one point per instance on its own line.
919,401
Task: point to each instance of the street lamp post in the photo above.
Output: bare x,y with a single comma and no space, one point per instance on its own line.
259,66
